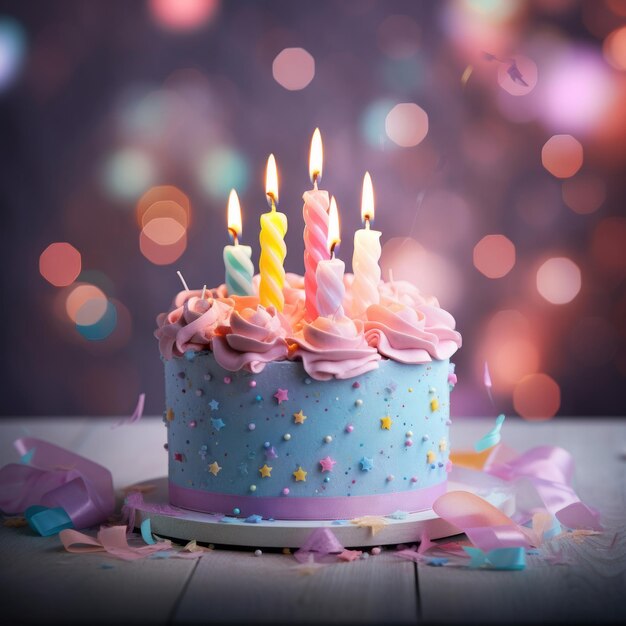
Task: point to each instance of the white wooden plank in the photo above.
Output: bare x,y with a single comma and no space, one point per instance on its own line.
588,590
42,583
238,587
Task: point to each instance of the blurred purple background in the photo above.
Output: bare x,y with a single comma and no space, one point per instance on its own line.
494,131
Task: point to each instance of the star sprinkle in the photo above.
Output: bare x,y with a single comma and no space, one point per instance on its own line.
218,423
270,453
349,555
179,456
386,422
299,417
327,464
281,395
214,404
253,519
214,468
266,472
367,465
300,475
374,522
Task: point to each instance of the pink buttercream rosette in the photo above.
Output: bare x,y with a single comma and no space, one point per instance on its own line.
411,335
333,348
404,292
253,338
191,325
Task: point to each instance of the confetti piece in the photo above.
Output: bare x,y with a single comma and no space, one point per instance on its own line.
374,522
146,532
137,414
309,567
492,438
319,545
349,555
499,559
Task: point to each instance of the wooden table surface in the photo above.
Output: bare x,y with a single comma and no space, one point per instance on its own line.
40,582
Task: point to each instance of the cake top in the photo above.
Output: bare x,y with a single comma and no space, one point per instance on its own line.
405,326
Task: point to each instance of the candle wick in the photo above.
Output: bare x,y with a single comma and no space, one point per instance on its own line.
270,195
367,222
316,176
203,292
233,234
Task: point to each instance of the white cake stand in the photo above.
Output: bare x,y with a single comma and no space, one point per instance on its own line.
292,534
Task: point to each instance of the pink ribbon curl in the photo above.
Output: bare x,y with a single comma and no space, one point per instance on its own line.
543,481
56,477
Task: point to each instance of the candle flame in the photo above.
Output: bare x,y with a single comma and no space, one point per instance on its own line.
334,235
234,214
367,199
316,157
271,180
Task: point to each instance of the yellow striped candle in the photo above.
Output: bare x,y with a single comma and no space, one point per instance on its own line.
273,248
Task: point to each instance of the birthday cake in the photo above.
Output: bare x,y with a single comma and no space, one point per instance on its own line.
274,416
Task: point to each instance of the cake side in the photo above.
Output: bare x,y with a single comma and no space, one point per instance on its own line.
281,444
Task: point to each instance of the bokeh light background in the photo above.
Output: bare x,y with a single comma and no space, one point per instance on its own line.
495,132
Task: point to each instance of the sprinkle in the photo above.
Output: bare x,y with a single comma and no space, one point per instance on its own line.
300,475
286,436
218,423
356,385
243,469
430,457
410,389
376,551
327,464
432,390
413,479
358,402
165,446
193,424
214,468
409,433
208,377
266,472
299,417
214,404
281,395
252,383
442,445
307,381
251,426
408,443
349,428
366,464
253,519
328,439
349,555
267,444
390,478
425,437
179,456
398,515
190,355
386,422
285,491
199,393
227,380
252,487
432,466
271,453
258,398
327,479
364,556
236,511
169,415
258,553
434,404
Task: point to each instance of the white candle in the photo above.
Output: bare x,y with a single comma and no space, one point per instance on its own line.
329,273
366,255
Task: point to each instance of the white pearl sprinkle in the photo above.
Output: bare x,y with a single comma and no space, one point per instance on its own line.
328,439
409,433
358,402
286,436
258,553
252,487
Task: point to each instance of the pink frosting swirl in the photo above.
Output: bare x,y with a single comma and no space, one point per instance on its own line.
192,324
411,335
404,292
255,337
334,348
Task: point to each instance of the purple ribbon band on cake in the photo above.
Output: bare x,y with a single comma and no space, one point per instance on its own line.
299,508
55,488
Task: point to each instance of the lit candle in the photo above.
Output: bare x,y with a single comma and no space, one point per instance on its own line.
237,259
315,212
330,287
366,255
273,249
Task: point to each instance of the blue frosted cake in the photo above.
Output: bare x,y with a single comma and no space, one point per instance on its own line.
271,415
